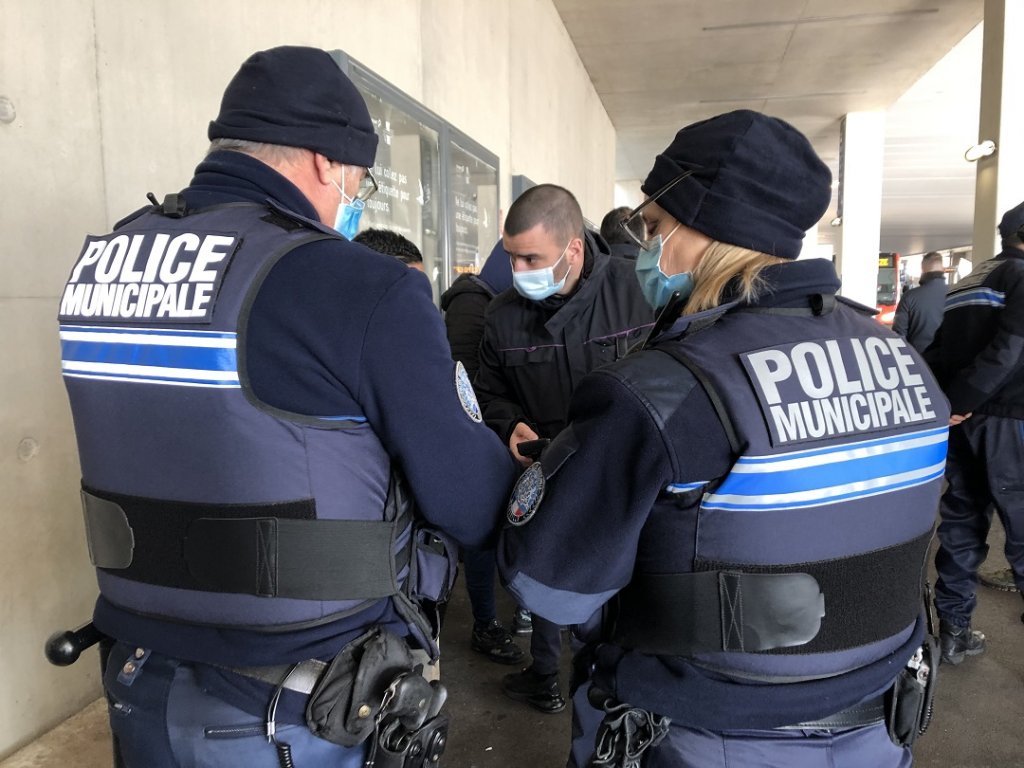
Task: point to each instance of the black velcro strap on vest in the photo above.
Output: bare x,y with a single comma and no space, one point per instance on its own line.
270,550
867,598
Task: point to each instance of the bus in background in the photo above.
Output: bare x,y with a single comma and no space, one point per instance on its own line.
890,287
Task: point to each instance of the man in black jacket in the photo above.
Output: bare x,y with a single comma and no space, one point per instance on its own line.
919,313
574,308
978,357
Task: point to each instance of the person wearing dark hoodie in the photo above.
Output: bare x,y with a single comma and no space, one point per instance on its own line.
573,308
463,305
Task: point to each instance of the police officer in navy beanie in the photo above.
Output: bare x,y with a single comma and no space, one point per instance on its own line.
251,444
747,587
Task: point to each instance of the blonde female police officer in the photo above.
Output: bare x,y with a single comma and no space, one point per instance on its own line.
738,514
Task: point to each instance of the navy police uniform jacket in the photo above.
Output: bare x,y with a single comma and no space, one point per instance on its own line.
534,353
794,442
978,352
239,380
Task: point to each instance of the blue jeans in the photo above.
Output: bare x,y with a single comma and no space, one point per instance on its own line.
162,718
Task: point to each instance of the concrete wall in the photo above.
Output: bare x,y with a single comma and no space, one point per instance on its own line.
111,99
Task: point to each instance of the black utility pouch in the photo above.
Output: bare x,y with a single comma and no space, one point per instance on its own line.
909,702
344,705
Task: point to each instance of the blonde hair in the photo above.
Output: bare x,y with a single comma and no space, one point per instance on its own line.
723,264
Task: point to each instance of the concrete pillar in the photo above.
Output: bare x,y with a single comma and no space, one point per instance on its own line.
862,146
1001,104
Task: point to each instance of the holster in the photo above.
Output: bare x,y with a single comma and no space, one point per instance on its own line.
424,748
910,701
344,705
411,731
625,734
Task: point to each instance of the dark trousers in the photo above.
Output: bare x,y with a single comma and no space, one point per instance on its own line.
545,646
478,566
163,718
985,471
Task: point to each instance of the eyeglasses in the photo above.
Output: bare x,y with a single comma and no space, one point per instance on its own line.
367,187
631,216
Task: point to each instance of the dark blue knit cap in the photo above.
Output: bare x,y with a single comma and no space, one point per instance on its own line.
757,182
297,97
1011,222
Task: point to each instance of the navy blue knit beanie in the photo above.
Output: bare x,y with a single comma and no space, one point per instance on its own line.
297,97
1012,222
757,182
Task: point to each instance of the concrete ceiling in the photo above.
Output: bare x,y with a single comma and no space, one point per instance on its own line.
658,65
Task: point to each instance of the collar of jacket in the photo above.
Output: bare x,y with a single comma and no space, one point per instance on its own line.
929,277
788,285
595,265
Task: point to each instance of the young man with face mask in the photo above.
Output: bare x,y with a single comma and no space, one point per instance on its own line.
250,449
572,308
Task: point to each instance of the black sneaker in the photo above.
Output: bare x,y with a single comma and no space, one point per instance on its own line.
495,642
522,622
539,691
958,642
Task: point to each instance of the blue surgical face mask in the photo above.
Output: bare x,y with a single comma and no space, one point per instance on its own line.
347,220
538,284
656,286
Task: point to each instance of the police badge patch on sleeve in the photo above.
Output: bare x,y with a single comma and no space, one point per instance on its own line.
527,495
467,397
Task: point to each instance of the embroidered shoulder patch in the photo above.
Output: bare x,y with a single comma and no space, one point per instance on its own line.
467,397
527,495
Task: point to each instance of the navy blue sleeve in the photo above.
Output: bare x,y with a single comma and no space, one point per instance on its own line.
604,472
1001,358
458,469
901,319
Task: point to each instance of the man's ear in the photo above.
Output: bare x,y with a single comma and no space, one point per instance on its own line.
576,250
324,168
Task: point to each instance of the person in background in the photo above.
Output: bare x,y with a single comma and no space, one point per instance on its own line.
572,308
747,576
621,243
464,304
258,468
978,356
919,313
392,244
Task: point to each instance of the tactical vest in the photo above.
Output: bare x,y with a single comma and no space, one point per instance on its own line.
203,504
809,555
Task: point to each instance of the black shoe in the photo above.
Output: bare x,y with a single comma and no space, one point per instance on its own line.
522,622
958,642
495,642
539,691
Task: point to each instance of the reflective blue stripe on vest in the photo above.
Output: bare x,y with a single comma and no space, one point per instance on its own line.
180,358
835,473
976,297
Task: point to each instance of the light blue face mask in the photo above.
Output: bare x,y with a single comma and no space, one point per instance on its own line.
347,220
539,284
656,286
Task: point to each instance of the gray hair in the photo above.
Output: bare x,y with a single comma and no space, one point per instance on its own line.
271,154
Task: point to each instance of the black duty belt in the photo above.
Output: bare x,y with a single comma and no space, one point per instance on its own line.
814,607
269,550
857,716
